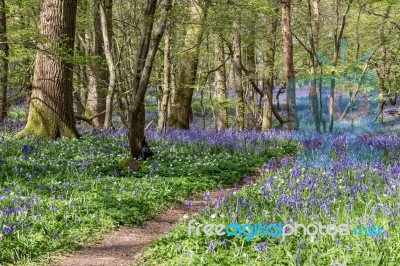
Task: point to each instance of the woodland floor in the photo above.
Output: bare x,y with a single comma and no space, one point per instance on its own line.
124,245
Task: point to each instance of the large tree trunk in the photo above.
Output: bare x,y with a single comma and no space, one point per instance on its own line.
106,28
3,62
181,107
51,106
220,85
166,87
269,76
237,69
292,120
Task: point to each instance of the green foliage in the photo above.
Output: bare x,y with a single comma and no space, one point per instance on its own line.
178,248
61,194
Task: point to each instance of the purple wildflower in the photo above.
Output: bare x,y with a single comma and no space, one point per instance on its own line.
261,247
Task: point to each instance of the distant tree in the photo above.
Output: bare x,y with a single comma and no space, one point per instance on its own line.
292,120
107,33
4,53
237,70
97,72
270,52
166,86
338,31
181,106
220,84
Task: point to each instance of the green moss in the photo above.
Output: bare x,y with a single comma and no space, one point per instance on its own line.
44,123
129,164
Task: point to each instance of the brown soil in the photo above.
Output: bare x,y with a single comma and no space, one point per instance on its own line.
122,246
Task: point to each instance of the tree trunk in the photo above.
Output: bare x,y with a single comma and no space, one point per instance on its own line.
80,93
51,107
220,85
337,35
97,72
393,100
144,60
382,64
166,87
315,25
3,62
292,119
237,69
106,29
181,107
270,76
251,94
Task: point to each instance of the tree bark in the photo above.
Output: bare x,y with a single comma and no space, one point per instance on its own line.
314,15
106,29
80,92
220,85
251,96
51,107
266,123
144,60
382,64
166,87
237,69
181,107
4,52
337,35
292,120
97,73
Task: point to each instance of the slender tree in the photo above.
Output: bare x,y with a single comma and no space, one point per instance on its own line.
292,120
97,72
314,15
106,29
266,123
338,31
237,70
220,85
382,73
4,53
145,55
166,87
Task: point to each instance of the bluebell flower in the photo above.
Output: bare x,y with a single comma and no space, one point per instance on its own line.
207,196
188,203
7,230
211,246
261,246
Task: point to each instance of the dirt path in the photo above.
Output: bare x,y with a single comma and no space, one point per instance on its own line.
122,246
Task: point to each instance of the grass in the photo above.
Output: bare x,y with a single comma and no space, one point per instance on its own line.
345,192
55,196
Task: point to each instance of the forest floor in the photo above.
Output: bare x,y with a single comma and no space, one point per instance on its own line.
124,245
73,193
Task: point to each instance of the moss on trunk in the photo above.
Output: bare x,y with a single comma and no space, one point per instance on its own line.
44,123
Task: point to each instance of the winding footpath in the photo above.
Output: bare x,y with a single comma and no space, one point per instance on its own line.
124,245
